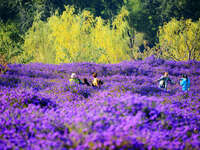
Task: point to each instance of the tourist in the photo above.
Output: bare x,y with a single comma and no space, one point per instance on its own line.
163,81
185,83
74,79
96,82
85,82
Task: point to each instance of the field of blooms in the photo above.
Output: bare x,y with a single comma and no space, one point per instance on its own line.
39,109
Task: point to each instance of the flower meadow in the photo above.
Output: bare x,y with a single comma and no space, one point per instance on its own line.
39,109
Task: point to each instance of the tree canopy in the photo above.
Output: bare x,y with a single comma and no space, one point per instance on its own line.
179,40
144,18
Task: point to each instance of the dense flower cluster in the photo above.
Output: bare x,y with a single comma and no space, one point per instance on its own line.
39,109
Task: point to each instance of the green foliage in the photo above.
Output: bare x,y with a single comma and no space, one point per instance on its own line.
10,42
24,11
107,9
143,16
146,16
21,12
179,40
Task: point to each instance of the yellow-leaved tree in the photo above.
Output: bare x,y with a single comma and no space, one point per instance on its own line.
72,35
38,44
180,40
112,41
78,37
83,38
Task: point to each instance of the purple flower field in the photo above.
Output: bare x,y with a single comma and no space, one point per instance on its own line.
39,109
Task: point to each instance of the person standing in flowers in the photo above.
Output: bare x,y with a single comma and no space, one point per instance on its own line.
163,81
85,82
96,82
74,79
185,83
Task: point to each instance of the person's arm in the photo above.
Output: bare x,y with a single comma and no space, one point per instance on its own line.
161,78
88,84
79,81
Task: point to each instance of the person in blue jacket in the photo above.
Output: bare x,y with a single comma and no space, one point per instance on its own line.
185,83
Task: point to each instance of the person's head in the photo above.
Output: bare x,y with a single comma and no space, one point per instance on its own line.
94,74
73,75
185,76
85,80
100,82
166,74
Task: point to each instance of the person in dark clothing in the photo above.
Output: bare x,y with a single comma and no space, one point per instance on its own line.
85,81
164,80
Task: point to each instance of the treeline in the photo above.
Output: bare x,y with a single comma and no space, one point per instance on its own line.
102,31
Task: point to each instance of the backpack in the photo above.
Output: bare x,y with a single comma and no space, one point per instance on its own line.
162,84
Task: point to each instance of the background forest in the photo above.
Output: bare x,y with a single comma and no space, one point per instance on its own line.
100,31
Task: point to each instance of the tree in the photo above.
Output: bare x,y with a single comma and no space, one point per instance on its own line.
38,45
10,44
22,12
179,40
81,37
147,15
